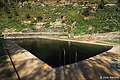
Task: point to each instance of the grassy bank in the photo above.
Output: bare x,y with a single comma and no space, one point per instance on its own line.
102,20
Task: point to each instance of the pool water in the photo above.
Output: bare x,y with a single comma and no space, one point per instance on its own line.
58,53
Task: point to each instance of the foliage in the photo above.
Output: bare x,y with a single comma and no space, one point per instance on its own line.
105,20
12,24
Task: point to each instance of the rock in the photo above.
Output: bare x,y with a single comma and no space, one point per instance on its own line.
75,4
57,23
39,26
27,30
111,5
27,22
8,30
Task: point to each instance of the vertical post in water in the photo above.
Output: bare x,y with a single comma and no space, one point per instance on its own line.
59,64
69,44
63,63
76,56
64,55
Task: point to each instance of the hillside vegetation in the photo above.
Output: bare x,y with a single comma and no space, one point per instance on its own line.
78,18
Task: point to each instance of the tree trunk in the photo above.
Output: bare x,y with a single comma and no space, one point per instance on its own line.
118,3
101,5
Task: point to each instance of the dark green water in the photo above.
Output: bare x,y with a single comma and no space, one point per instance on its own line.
57,53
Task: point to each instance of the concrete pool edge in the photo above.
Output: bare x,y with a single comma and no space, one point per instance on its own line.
58,39
20,56
80,72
